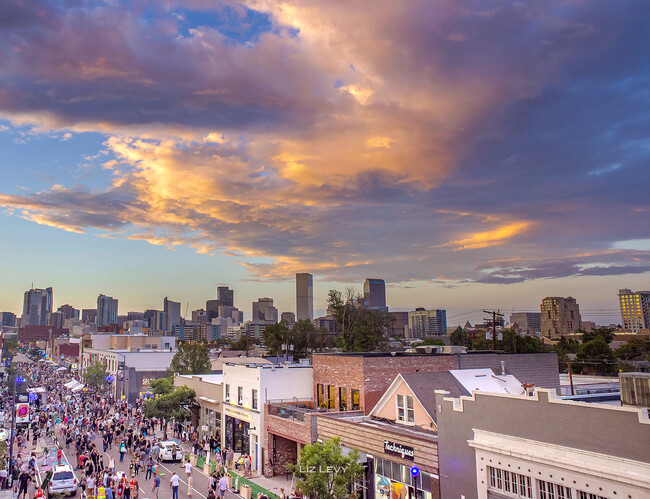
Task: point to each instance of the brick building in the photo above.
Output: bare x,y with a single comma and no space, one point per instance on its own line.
31,334
356,381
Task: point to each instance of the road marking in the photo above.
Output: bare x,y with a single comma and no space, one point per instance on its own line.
181,480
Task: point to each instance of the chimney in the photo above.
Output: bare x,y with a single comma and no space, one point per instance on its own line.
503,368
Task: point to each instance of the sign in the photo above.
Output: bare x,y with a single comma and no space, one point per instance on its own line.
22,413
145,381
400,450
4,434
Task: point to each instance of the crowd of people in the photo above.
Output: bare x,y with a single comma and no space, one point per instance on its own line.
87,426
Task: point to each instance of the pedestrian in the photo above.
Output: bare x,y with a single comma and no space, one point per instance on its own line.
135,487
223,485
122,451
247,465
156,485
173,483
111,465
188,468
23,482
230,456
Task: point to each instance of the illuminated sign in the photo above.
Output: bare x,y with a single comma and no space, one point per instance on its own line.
22,413
400,450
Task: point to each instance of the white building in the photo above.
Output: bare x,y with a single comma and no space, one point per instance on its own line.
246,388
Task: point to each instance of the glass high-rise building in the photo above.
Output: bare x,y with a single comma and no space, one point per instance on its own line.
37,307
106,310
226,296
374,294
304,296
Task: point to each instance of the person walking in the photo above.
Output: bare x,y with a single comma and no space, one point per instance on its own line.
156,485
173,484
223,486
149,471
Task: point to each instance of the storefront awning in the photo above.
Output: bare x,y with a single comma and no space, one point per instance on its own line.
209,400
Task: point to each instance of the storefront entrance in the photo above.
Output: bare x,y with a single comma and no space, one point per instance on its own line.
237,435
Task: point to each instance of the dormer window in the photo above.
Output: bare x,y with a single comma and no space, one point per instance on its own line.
405,409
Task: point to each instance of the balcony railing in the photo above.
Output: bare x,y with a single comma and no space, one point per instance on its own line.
295,411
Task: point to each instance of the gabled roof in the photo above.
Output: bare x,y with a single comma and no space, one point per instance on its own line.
424,384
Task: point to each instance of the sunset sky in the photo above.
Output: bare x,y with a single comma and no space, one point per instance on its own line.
471,153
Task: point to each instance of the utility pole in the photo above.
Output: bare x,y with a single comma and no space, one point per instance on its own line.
571,376
13,429
495,314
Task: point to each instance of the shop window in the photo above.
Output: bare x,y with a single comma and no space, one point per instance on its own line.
331,397
405,409
227,396
240,395
588,495
343,399
513,483
254,399
356,399
549,490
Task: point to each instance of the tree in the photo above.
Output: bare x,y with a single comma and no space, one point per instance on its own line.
191,358
606,333
323,472
634,349
459,337
275,336
173,404
95,375
597,357
161,386
362,329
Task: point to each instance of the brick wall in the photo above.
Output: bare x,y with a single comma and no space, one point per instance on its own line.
371,375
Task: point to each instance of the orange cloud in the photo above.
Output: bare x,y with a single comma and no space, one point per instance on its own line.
491,237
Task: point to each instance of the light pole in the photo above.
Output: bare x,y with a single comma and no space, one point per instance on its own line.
13,423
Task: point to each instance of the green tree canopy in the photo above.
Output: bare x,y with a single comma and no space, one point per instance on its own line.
596,356
191,358
459,337
161,386
634,349
276,335
606,333
173,404
362,329
95,375
324,472
429,341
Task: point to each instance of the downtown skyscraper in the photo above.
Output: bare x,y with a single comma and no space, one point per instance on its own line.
37,307
106,310
304,296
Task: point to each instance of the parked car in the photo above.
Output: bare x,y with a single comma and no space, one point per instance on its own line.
63,481
170,451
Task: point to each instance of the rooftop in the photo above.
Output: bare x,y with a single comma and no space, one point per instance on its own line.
215,379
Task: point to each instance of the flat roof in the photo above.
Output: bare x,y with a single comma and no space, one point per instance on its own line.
215,379
421,354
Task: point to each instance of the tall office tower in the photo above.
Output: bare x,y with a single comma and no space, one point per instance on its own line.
57,319
37,307
7,319
635,309
155,319
560,316
288,317
212,308
89,315
135,316
263,310
528,322
106,310
423,323
69,312
172,311
304,296
200,316
226,295
374,294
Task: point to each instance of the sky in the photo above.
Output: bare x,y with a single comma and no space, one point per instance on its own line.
473,154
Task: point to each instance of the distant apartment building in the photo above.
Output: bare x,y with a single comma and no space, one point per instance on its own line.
7,319
635,309
200,316
560,317
37,307
288,317
172,311
424,323
328,322
374,294
226,296
57,320
527,322
89,315
106,310
135,316
263,310
304,296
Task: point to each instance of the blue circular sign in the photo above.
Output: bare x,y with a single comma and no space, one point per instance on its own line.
415,471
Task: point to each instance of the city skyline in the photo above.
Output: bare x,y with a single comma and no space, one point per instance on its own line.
472,158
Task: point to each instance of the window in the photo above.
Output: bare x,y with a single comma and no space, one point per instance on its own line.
589,495
343,399
356,401
320,395
227,396
240,395
331,397
254,399
549,490
519,485
405,409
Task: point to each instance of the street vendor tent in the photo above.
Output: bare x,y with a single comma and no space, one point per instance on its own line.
74,385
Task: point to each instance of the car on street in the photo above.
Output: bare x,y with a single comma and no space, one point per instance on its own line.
170,451
63,481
